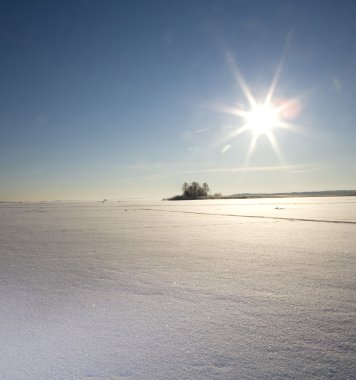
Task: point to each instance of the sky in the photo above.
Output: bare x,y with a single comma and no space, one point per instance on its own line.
122,100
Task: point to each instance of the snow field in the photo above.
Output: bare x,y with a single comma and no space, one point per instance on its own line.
138,290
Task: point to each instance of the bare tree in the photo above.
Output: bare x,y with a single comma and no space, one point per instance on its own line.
206,188
195,188
185,187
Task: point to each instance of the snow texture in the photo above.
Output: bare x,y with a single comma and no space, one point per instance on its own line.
220,289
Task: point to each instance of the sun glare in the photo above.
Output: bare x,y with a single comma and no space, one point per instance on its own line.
261,119
264,118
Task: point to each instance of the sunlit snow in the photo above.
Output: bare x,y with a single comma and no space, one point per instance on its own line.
218,289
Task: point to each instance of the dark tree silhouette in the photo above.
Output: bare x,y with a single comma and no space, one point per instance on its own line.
194,190
206,188
185,187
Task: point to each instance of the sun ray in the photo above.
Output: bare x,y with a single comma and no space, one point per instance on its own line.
295,128
240,80
231,135
231,110
275,146
251,149
273,85
239,131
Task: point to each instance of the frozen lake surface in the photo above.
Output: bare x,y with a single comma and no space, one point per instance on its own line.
219,289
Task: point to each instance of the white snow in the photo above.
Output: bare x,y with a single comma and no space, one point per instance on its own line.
224,289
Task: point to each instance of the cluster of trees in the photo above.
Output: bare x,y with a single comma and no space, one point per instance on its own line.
194,190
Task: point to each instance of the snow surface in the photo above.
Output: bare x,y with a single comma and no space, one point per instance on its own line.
223,289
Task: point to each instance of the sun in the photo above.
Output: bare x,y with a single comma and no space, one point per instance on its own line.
262,119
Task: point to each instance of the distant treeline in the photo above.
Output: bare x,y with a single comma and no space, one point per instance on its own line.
328,193
195,191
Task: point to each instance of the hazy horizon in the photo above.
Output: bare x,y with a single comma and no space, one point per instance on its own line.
166,197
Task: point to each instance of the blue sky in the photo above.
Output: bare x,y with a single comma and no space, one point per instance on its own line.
111,99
